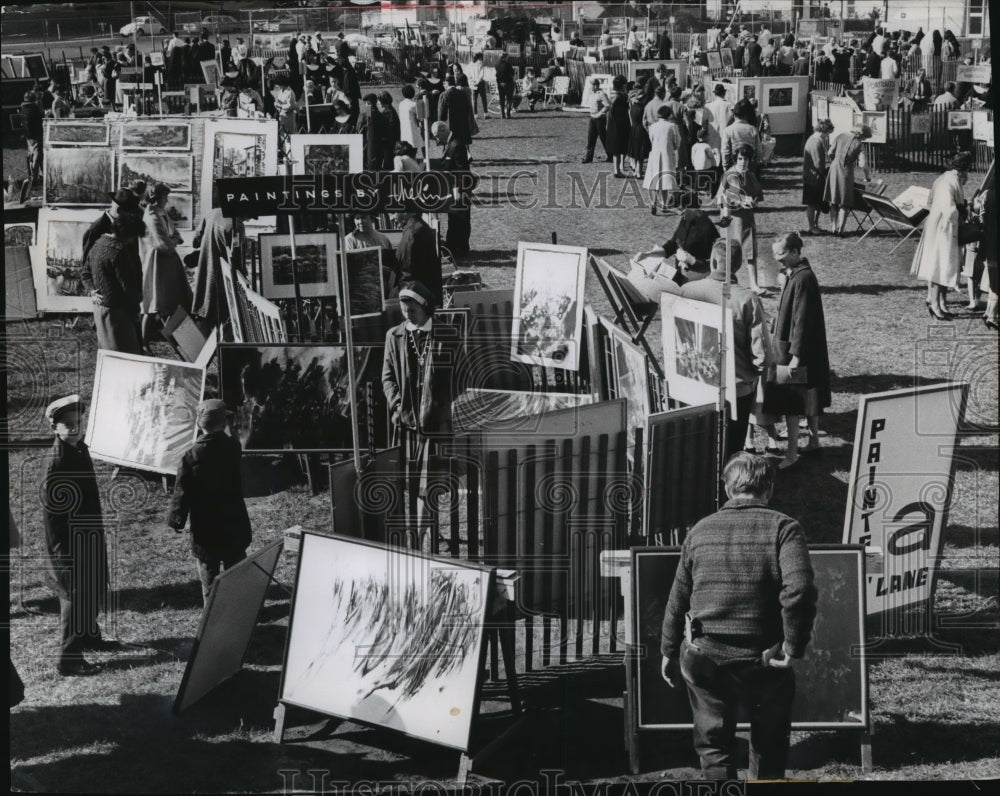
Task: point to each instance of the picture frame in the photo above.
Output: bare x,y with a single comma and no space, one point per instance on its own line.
317,256
727,58
365,283
959,120
327,153
821,108
237,148
878,121
749,89
180,208
163,136
21,233
347,649
156,58
72,133
692,334
548,305
143,410
781,98
210,71
78,176
980,122
174,170
920,124
57,259
315,383
629,371
456,319
714,60
19,284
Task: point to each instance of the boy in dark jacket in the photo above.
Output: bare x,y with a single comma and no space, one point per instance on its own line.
209,488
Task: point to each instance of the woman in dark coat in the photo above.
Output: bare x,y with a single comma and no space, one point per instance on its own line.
799,340
842,65
617,136
638,142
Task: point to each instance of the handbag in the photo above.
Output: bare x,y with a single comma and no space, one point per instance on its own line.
969,232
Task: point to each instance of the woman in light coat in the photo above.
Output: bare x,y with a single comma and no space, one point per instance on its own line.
937,258
164,282
661,168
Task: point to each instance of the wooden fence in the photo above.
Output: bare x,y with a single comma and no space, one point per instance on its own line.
905,150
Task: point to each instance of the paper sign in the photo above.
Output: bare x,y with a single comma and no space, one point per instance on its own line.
880,95
968,73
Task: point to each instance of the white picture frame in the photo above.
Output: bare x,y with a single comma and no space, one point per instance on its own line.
73,133
317,255
548,305
180,207
691,332
143,410
78,176
630,371
174,170
326,153
162,136
780,98
57,259
358,611
959,120
229,137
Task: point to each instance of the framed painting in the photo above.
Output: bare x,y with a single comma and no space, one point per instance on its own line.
57,260
78,175
360,610
156,58
20,234
179,210
289,397
548,305
878,121
629,368
782,98
162,136
316,259
210,71
692,337
75,133
19,284
821,108
327,154
143,410
237,148
749,89
727,57
174,171
365,283
959,120
714,60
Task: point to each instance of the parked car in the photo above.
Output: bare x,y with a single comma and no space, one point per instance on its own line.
223,23
279,24
143,26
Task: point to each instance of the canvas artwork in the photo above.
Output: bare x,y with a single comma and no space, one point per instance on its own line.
289,397
691,346
237,148
878,121
316,257
57,260
548,305
960,120
631,374
73,133
365,288
78,175
980,122
143,410
714,60
326,154
210,69
822,107
781,99
727,58
386,637
19,234
156,135
19,288
172,170
180,211
749,89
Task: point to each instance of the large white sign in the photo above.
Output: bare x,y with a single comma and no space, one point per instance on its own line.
880,95
900,487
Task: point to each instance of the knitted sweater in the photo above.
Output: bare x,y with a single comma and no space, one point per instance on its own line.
745,575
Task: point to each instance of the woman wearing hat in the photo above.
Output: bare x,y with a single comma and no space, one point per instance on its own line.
814,173
846,154
164,283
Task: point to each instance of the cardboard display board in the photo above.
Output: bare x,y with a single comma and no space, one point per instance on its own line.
900,487
785,100
880,95
142,412
227,625
831,681
387,637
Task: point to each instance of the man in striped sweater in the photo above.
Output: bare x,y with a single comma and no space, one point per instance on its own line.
740,611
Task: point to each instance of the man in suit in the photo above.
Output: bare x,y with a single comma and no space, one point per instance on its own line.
455,158
417,255
455,109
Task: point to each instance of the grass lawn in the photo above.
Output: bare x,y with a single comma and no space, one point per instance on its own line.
934,702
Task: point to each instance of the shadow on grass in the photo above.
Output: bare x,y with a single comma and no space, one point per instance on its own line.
146,600
899,742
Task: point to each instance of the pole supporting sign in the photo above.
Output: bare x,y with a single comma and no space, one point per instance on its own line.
900,488
364,192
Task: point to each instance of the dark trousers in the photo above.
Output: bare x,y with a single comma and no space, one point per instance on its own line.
479,94
715,690
507,92
459,230
77,624
597,128
736,430
209,569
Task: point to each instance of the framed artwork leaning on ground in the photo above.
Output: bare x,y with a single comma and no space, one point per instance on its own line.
57,260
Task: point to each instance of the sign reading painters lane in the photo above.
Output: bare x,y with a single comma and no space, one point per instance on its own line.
900,487
364,192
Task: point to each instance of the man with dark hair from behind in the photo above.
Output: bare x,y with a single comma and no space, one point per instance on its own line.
741,610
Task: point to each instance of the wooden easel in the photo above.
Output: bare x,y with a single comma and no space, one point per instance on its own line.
501,620
633,311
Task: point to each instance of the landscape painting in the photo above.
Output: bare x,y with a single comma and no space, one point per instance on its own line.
326,154
387,637
179,210
174,136
143,410
548,305
172,170
77,133
78,175
57,260
237,148
316,261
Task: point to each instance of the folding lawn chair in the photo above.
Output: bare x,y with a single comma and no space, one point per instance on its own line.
862,211
887,212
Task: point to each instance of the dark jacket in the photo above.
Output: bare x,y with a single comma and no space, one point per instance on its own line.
505,71
101,226
455,108
209,489
800,330
417,257
745,575
74,524
114,270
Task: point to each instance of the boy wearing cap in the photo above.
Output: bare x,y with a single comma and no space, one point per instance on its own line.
209,489
74,537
